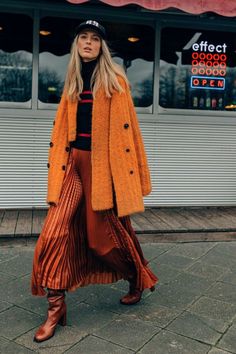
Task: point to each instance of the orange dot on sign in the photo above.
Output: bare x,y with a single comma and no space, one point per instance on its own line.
209,63
223,57
195,55
215,64
209,56
202,56
209,71
194,71
195,62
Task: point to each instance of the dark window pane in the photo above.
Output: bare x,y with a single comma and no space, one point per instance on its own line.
15,57
56,36
132,46
197,69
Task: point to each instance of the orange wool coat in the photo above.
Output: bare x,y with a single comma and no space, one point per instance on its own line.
119,161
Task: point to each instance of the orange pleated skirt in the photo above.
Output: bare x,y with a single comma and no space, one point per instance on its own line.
79,246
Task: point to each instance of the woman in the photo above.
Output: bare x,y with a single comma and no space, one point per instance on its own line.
98,175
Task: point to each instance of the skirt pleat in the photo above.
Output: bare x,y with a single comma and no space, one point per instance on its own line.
64,257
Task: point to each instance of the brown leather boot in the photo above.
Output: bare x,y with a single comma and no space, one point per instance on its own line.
134,295
56,315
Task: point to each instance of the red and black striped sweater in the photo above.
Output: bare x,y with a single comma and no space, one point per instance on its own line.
84,111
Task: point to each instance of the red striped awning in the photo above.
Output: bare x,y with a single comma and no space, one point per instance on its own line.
221,7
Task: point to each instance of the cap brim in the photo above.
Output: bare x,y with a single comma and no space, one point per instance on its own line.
92,28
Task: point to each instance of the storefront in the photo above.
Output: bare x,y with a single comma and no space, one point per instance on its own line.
181,63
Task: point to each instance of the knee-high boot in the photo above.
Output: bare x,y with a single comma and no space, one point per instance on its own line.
56,315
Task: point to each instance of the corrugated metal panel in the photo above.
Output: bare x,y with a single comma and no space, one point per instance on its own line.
190,164
23,158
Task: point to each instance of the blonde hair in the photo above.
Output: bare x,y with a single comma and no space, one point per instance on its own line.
105,73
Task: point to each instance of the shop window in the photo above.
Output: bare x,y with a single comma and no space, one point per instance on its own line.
132,46
16,31
197,69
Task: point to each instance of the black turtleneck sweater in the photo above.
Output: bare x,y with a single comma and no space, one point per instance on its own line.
84,111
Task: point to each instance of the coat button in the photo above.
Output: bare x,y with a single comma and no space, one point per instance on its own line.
126,125
51,144
67,149
63,167
48,165
54,122
127,150
131,172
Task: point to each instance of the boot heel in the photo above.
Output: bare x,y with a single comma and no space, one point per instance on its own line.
62,321
152,289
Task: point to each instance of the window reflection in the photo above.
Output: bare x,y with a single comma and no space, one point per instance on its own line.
197,69
15,57
132,46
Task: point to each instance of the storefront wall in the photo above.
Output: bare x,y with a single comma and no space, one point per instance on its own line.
191,152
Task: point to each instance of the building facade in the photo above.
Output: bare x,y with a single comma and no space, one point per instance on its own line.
181,67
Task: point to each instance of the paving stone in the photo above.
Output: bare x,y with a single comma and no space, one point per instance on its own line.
216,257
165,273
88,345
7,253
176,261
54,350
228,341
39,304
208,271
217,351
107,298
16,291
229,277
88,318
4,305
152,250
127,332
226,248
175,297
194,327
83,293
190,281
15,321
192,250
5,278
170,343
215,309
223,291
121,285
16,267
153,313
8,347
64,336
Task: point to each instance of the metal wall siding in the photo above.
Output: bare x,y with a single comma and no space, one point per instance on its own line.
23,160
190,164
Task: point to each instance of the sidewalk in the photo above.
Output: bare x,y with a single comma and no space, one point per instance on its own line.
193,310
154,225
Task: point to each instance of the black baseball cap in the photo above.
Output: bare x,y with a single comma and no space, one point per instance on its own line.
93,25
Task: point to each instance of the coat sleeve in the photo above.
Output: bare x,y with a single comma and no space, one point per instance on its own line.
139,146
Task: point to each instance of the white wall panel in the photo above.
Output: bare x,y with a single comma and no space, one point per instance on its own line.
191,164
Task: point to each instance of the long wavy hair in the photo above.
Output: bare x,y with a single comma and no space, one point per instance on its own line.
105,73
